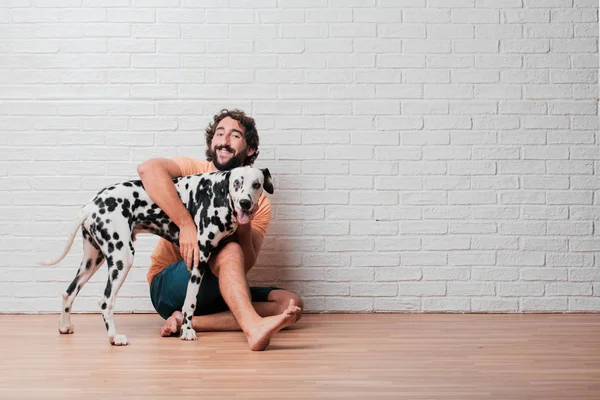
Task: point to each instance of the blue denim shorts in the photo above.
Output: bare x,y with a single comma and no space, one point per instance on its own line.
168,289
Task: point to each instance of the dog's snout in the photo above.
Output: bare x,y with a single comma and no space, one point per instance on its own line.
245,204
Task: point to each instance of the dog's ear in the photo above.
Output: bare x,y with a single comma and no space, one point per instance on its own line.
268,184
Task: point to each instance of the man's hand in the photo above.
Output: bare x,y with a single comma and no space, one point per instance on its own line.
188,245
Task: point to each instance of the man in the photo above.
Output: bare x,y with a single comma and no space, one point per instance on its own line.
225,302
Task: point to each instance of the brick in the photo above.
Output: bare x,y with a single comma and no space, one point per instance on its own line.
543,304
447,163
449,304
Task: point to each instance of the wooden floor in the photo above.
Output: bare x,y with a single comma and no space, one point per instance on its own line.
400,356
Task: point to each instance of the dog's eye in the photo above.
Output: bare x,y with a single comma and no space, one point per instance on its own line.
256,186
236,185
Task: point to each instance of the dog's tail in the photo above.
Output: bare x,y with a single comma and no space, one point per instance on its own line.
83,214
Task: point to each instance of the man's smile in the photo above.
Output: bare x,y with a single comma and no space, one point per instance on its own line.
224,152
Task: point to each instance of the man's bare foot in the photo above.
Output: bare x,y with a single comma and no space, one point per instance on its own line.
260,337
172,325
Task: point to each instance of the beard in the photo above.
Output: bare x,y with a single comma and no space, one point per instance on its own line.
237,160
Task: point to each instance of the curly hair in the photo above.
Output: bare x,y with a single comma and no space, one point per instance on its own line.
246,121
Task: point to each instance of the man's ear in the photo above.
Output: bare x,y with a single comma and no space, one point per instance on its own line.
250,151
268,184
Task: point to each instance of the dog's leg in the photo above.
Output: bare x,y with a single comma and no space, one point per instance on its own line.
119,264
189,305
92,259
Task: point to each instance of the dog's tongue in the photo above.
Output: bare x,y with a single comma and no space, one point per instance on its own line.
243,217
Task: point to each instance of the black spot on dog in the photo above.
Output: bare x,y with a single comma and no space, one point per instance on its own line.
221,191
119,245
193,279
111,247
106,325
108,289
203,266
216,221
119,265
115,236
136,195
115,274
211,235
139,203
67,309
228,222
125,208
88,264
104,306
72,286
99,259
127,184
111,203
173,229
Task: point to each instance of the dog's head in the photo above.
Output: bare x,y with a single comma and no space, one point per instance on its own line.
246,184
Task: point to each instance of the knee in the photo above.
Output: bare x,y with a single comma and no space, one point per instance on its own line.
231,255
283,297
297,300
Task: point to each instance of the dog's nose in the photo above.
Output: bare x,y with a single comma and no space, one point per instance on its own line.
245,204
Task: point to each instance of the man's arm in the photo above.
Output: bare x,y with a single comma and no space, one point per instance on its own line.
250,241
157,176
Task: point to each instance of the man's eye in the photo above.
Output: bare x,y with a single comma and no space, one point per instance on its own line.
237,136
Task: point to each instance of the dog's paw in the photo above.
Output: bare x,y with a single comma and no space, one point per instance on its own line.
65,329
188,334
119,340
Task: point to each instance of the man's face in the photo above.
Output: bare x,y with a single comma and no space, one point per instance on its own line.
229,147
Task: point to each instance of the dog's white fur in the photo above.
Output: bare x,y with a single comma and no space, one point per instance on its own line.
218,201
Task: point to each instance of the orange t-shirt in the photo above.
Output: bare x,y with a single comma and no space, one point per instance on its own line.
167,253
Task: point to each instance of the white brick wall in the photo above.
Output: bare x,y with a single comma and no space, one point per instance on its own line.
429,155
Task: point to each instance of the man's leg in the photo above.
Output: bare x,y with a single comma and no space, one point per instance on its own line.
278,301
228,266
167,292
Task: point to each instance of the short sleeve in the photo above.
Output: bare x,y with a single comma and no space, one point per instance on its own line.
191,166
262,217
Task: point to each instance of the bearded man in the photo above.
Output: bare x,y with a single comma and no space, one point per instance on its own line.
225,301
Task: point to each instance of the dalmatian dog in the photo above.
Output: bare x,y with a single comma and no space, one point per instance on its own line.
218,202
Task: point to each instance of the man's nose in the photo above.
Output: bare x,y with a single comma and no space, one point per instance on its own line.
245,204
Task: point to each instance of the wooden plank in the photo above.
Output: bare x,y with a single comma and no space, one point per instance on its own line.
362,356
